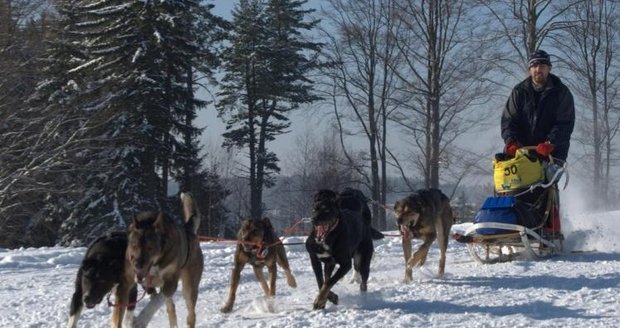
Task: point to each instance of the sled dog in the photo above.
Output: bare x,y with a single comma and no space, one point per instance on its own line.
258,245
104,268
341,231
163,252
425,214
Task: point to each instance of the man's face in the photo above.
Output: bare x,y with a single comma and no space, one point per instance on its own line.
539,73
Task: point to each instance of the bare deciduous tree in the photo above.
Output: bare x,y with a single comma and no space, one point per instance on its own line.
523,25
364,82
318,163
588,48
443,80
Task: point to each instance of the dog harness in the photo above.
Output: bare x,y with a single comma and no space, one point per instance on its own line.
260,252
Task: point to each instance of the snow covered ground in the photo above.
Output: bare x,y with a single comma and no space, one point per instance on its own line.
578,289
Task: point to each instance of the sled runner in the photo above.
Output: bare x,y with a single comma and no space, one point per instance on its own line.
522,219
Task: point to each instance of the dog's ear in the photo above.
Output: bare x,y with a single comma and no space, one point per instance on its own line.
133,224
418,203
134,219
397,206
160,222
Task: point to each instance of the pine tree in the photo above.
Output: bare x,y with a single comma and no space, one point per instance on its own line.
144,58
266,78
30,147
136,104
112,121
55,104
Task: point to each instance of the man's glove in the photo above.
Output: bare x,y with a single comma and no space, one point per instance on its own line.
511,148
545,148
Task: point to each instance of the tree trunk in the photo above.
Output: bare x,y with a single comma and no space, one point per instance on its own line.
187,136
532,19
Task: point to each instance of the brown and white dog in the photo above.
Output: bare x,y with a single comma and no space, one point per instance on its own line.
425,214
258,245
163,252
105,268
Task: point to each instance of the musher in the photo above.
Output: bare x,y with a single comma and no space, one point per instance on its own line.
539,112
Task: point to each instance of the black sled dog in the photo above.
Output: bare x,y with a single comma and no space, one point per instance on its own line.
341,234
103,268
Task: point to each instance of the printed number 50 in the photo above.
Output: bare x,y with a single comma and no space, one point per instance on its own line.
510,170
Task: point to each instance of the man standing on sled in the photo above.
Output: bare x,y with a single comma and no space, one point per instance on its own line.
540,112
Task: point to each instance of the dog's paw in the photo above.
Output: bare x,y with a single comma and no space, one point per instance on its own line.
270,301
129,318
408,275
226,308
318,305
332,297
291,281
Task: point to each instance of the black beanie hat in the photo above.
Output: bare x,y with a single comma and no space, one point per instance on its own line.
539,57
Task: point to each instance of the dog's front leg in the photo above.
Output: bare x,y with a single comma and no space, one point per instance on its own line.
145,316
74,317
419,257
273,273
121,296
169,288
282,260
172,312
258,272
325,292
329,268
234,283
406,241
317,268
131,305
75,309
272,269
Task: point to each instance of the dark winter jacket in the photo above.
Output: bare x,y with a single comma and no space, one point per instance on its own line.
529,121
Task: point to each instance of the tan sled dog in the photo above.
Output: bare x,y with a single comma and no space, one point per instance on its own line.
258,245
162,253
425,214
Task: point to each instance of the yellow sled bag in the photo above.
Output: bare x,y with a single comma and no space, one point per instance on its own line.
518,172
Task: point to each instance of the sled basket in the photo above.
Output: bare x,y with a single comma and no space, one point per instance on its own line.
496,209
518,172
508,210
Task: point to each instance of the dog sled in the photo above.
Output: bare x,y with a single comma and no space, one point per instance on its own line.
522,219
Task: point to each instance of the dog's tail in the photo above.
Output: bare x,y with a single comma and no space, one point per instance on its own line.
376,234
191,215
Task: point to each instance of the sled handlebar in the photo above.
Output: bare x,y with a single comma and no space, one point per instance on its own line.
534,148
